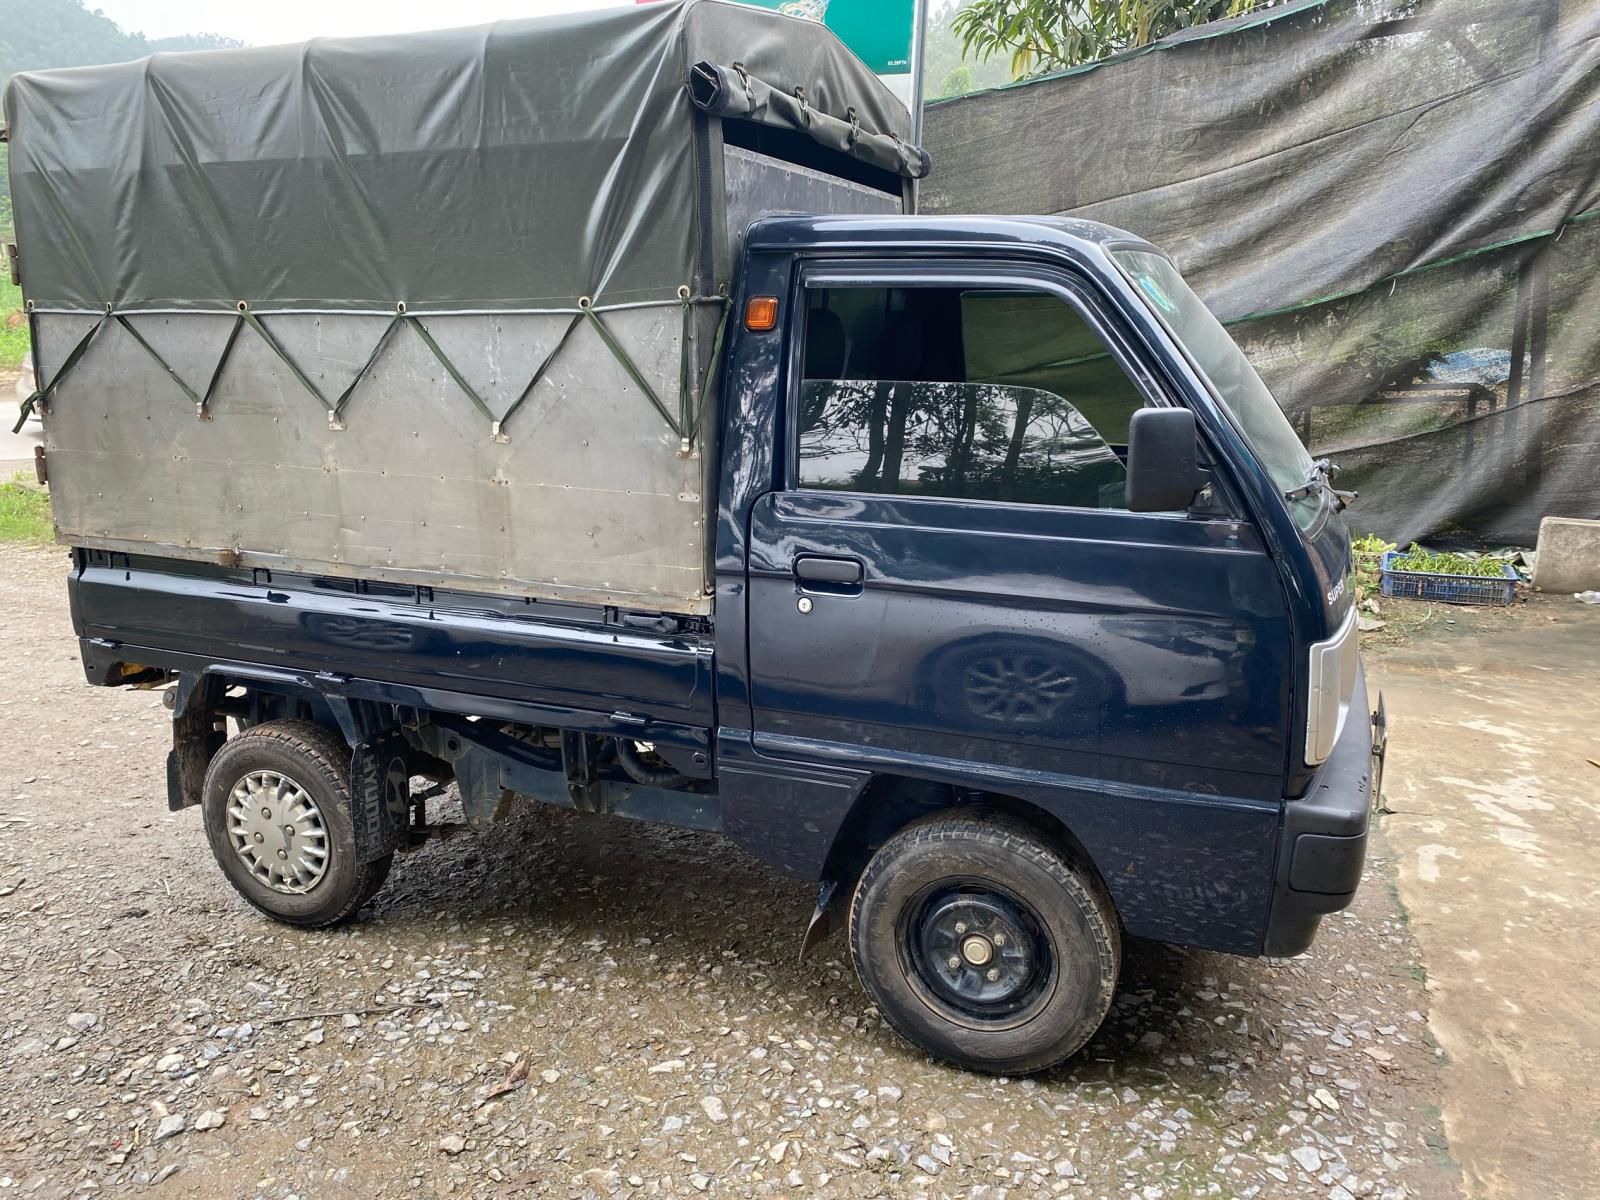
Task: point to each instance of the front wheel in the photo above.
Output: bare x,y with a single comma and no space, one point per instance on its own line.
985,945
276,805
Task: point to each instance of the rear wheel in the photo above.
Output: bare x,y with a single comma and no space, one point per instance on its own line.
985,945
276,805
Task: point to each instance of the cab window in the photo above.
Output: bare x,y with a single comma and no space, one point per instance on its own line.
962,393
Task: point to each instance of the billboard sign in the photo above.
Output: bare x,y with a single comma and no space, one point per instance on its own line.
878,31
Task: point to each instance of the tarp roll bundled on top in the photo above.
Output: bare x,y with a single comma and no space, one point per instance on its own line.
734,92
447,302
1395,204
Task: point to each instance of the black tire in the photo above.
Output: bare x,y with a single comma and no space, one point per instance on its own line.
964,876
317,761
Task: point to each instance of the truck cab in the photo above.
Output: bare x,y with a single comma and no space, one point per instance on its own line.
946,524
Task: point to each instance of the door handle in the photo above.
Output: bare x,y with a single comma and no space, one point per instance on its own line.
816,568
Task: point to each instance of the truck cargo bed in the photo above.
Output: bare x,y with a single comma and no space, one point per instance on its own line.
536,662
305,308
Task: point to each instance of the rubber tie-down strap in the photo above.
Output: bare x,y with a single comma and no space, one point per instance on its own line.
163,363
685,413
549,360
222,361
450,367
383,340
43,393
685,424
254,322
711,368
634,373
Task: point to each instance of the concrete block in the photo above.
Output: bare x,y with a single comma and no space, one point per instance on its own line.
1569,555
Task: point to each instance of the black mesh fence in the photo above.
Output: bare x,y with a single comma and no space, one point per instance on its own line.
1396,207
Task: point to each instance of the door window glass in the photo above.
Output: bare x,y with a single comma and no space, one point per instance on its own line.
962,393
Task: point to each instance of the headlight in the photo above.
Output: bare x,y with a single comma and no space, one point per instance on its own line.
1332,681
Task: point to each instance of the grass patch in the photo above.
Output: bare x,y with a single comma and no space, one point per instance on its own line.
25,515
13,323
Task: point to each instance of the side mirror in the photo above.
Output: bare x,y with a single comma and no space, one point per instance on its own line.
1163,471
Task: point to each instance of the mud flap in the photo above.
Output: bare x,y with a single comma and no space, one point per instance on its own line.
195,742
828,916
380,794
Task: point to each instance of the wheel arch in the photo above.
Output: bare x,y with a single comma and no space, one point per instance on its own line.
203,698
891,802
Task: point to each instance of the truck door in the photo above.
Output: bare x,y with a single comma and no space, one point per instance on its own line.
947,575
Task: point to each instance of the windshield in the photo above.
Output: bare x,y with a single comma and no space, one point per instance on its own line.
1222,362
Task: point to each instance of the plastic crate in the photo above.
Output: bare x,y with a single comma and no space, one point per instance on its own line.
1449,589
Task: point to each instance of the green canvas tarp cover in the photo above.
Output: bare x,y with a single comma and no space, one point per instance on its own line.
521,164
439,309
1394,204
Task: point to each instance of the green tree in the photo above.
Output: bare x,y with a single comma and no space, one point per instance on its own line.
957,82
950,72
1049,35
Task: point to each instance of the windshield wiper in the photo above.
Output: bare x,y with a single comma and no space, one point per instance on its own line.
1321,479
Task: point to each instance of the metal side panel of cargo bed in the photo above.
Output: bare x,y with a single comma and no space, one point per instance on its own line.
589,498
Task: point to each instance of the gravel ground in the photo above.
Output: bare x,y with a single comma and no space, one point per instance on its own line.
572,1004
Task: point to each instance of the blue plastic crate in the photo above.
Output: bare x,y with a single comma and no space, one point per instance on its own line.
1449,589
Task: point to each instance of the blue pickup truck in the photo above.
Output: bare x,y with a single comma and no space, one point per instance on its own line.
1026,622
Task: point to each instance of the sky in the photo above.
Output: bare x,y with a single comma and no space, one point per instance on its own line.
296,20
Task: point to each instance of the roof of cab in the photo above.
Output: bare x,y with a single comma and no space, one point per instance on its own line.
1079,239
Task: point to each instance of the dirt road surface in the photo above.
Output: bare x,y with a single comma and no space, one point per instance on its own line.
158,1037
16,449
1495,787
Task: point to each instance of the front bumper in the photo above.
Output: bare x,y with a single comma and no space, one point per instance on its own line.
1324,838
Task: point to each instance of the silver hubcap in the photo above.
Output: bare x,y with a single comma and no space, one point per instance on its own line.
277,831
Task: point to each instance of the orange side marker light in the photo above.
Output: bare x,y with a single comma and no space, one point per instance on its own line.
761,314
